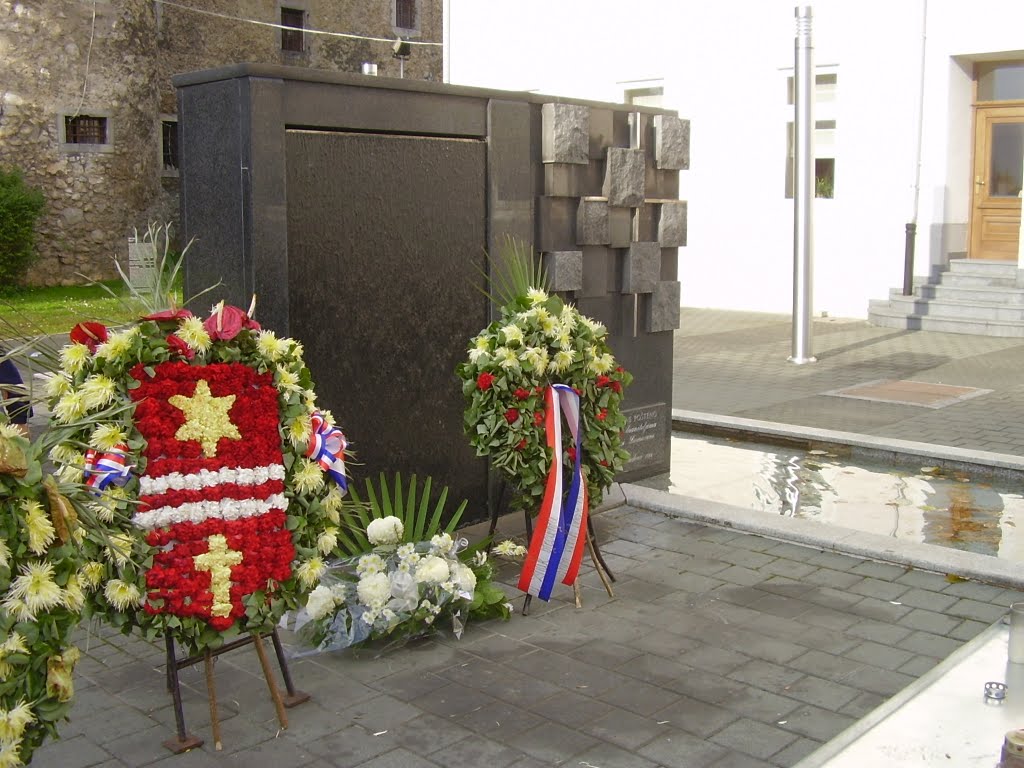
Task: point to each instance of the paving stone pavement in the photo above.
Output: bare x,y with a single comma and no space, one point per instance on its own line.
720,648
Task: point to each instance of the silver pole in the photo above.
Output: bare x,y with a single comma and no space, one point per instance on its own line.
803,191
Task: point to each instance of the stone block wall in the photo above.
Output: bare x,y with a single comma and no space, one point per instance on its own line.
61,59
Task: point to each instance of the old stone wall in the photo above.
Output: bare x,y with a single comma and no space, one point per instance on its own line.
115,58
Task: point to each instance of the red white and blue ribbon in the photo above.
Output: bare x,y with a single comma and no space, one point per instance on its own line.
557,544
327,448
106,468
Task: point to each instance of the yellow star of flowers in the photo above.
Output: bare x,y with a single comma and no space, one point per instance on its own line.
206,418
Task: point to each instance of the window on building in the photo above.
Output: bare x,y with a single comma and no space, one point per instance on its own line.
293,38
169,144
85,129
405,14
644,97
825,89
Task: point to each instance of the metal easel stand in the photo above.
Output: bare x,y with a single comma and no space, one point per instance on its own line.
183,740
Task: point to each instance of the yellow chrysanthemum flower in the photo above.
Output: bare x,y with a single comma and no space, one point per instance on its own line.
601,364
5,554
287,380
70,407
569,318
74,357
300,430
40,529
550,325
308,477
106,436
71,471
15,643
36,587
270,346
10,430
10,754
92,574
536,358
118,344
192,332
309,399
17,608
513,334
120,548
74,595
14,721
327,540
562,360
536,296
310,571
332,505
122,595
564,339
507,358
97,391
57,385
595,327
297,349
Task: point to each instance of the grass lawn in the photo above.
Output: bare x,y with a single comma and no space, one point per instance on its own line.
35,312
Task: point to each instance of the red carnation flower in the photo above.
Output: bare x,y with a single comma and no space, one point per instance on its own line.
90,334
603,414
603,462
178,347
521,394
617,387
521,444
602,381
484,380
538,418
572,453
511,415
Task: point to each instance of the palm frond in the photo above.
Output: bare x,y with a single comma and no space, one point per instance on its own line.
515,269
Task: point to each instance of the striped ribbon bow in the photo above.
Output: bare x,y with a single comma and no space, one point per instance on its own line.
556,547
106,468
327,448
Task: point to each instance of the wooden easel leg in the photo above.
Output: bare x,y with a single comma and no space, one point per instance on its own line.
211,693
595,552
599,565
275,694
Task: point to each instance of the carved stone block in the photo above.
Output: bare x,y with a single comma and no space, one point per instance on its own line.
671,142
641,269
672,224
565,134
592,223
565,270
624,177
664,307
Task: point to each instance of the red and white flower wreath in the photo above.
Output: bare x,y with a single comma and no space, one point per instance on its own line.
218,480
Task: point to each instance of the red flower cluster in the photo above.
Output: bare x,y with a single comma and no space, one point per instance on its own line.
511,415
605,381
484,380
521,394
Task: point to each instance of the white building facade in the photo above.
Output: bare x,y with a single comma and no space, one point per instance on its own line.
919,118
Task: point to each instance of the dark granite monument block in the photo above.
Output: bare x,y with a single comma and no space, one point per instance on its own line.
671,142
672,224
663,310
360,211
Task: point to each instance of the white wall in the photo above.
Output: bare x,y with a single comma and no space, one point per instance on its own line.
725,67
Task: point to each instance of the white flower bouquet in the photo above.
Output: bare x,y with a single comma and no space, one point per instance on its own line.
398,591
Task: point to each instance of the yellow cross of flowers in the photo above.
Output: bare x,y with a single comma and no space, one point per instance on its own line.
206,418
218,561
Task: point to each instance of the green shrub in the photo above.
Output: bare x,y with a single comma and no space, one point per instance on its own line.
20,207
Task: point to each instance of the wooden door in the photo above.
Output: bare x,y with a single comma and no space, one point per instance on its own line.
998,177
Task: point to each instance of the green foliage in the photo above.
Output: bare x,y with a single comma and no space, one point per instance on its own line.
20,208
409,504
514,271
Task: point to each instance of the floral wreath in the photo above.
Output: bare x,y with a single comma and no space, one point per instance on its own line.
42,591
211,469
537,342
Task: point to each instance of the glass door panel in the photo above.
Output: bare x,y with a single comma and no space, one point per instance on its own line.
1006,174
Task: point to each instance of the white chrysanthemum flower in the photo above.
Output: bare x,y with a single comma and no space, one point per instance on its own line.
595,327
36,587
536,296
562,361
536,358
310,571
10,754
480,557
327,540
104,437
57,385
550,325
40,529
122,595
601,364
509,548
441,542
72,471
192,332
74,357
11,430
513,334
569,318
287,380
332,504
102,508
270,346
17,608
320,602
405,551
62,453
308,477
370,563
507,358
300,430
5,554
118,344
385,530
374,590
464,577
92,574
432,570
70,407
98,391
15,643
564,339
14,721
309,400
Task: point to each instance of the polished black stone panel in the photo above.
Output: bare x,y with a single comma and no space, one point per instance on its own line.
385,293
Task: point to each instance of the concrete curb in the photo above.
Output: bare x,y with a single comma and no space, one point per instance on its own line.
872,546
